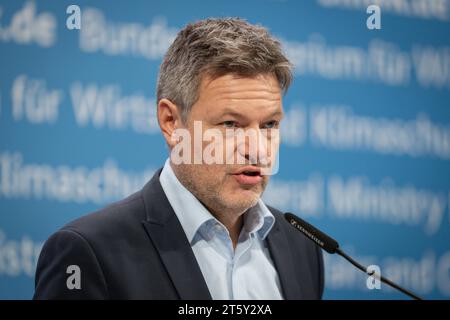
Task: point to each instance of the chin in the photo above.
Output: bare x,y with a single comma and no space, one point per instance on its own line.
243,203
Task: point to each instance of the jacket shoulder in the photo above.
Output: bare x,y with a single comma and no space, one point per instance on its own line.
112,219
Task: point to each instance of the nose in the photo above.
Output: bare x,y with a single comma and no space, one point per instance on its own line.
254,147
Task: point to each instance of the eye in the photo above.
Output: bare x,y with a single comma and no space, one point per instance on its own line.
229,124
271,124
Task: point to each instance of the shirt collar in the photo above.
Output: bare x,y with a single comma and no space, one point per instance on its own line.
259,219
193,215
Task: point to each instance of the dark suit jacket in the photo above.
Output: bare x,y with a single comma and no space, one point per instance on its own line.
137,249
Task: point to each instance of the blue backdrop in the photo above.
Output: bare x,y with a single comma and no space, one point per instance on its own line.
366,140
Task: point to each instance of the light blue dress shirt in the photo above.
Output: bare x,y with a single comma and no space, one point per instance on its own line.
244,273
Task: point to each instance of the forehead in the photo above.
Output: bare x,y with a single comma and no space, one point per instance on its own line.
259,93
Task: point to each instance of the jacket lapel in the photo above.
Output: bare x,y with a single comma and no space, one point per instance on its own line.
169,239
282,257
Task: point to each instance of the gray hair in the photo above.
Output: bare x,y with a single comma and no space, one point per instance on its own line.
216,47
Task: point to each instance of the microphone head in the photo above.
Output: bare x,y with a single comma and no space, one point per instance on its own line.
318,237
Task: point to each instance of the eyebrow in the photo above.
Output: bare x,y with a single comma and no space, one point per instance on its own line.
239,115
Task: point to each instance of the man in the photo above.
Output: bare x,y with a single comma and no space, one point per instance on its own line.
198,229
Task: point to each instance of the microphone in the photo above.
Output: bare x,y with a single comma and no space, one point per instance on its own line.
332,246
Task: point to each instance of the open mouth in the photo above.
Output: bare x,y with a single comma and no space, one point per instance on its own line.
251,173
249,176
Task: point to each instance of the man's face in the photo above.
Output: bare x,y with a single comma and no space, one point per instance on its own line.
225,104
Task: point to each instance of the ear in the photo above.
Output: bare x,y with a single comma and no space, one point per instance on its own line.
169,119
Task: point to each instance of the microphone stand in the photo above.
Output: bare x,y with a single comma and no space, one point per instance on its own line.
380,277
